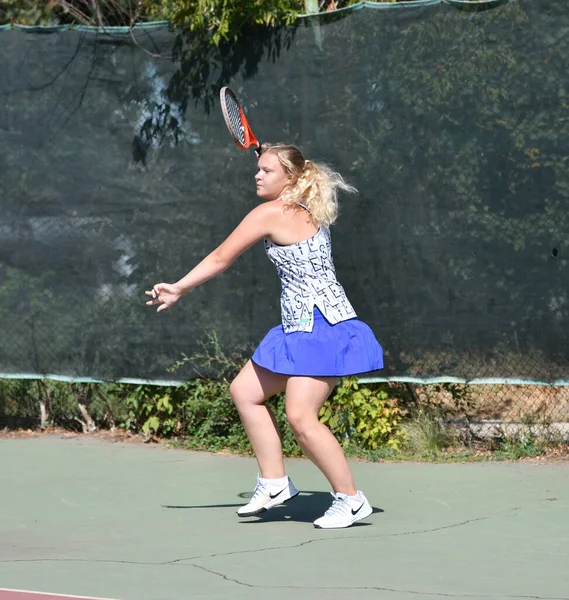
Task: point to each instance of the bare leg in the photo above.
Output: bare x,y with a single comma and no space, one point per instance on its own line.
304,397
249,390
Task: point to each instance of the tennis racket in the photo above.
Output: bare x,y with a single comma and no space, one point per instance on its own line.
236,121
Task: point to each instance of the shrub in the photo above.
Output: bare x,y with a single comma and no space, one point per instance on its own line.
363,415
200,412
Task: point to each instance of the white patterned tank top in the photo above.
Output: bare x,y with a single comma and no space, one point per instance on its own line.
308,279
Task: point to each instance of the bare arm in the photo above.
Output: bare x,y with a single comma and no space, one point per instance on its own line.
258,224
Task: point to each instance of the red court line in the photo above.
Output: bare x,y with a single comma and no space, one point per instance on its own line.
25,595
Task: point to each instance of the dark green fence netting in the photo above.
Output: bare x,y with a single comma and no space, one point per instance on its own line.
117,172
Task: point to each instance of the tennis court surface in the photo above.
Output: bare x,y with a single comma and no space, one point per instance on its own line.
82,517
27,595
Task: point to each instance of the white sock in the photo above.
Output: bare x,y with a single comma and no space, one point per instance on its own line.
281,481
356,497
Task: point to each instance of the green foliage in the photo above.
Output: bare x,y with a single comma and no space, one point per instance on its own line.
27,12
363,415
225,20
220,19
200,415
525,445
82,12
153,410
19,405
212,420
200,412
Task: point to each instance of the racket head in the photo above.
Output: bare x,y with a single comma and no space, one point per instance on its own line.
236,121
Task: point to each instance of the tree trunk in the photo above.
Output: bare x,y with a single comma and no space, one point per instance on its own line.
43,415
84,393
43,397
88,425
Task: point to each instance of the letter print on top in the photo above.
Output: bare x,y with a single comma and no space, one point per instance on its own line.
308,279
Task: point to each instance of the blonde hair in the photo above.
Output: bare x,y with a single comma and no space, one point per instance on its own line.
312,184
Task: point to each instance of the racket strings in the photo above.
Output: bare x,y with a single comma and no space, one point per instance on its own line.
235,118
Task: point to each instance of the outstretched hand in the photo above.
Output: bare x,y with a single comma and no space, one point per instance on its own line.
164,295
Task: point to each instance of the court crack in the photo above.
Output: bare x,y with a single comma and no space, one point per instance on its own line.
374,588
186,561
351,537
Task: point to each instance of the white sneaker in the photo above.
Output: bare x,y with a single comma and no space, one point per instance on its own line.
267,495
345,511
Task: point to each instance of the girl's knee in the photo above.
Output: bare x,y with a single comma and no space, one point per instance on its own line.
299,420
236,391
242,394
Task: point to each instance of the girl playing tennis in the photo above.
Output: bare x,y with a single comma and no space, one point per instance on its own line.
319,340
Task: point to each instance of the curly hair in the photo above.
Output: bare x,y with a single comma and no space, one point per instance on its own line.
314,185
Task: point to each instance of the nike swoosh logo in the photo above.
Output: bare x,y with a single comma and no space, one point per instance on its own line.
273,497
355,512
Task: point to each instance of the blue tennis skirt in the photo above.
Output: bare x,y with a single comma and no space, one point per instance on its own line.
347,348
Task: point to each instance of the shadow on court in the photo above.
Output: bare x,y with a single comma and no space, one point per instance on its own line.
132,522
305,508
